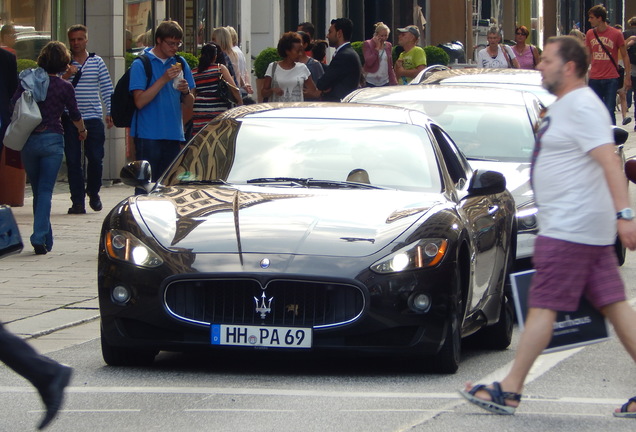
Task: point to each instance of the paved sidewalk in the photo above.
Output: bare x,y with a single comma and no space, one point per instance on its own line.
41,294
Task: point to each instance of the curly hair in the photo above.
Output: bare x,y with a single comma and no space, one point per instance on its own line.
286,43
54,57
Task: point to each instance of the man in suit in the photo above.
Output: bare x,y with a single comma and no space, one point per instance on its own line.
344,71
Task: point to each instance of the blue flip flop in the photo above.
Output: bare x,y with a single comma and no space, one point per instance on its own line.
624,413
497,404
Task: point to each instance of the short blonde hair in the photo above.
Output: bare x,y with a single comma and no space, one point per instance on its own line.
380,26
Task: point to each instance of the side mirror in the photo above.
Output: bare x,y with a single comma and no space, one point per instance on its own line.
136,174
620,135
486,182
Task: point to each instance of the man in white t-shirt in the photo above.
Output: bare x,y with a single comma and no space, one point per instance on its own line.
582,198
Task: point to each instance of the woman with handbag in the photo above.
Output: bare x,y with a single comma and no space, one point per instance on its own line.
496,55
44,149
289,80
527,54
208,102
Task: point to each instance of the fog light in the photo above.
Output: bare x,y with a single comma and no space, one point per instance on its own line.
121,294
420,303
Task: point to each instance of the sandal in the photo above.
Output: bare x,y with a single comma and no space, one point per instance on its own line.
623,412
497,404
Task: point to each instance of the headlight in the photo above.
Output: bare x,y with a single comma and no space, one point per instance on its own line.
527,217
123,246
421,254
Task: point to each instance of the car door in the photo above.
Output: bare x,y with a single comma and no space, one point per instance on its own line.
485,215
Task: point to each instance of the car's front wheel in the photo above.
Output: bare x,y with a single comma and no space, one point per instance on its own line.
448,358
499,336
124,356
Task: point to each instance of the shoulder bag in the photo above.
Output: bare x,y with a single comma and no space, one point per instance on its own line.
507,56
225,91
618,67
26,116
10,240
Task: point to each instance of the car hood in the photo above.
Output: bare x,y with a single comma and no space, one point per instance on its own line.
517,176
255,219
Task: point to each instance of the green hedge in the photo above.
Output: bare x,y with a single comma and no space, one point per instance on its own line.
263,59
26,64
436,56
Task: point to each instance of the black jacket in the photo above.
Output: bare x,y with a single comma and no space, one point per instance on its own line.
8,85
342,75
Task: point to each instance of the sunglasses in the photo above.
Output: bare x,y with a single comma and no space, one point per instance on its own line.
521,34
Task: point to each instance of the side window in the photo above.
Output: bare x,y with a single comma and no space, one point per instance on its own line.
455,160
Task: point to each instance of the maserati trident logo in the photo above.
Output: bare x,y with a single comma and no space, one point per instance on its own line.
263,308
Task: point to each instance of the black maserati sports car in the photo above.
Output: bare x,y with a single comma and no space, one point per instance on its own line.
309,227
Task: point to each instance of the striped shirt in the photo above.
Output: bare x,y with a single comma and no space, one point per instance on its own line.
95,82
208,103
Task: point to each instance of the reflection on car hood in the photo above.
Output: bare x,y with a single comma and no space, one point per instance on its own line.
280,220
517,176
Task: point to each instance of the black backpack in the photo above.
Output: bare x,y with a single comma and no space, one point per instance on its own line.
122,102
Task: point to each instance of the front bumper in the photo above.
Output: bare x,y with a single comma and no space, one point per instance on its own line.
173,308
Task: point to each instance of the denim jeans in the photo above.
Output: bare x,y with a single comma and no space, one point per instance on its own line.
606,89
93,152
42,157
160,153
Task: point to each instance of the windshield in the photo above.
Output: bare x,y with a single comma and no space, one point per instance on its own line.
483,131
329,153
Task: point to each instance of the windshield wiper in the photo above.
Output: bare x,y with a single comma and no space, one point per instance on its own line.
310,182
482,159
341,184
295,180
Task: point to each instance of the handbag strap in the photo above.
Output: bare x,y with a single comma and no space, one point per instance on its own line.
506,56
78,74
606,51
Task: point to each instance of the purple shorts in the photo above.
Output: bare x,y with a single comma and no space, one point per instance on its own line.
567,271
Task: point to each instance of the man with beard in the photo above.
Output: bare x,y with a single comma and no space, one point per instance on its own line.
345,70
578,216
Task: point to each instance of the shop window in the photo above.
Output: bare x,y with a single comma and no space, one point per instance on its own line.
139,24
32,26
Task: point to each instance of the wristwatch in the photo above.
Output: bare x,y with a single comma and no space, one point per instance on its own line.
626,213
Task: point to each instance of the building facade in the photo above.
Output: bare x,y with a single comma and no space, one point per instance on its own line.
117,26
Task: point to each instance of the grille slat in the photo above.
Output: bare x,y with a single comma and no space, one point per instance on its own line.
294,303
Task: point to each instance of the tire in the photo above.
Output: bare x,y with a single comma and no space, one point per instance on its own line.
499,336
447,360
121,356
621,252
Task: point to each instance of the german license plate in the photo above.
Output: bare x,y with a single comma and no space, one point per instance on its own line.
260,336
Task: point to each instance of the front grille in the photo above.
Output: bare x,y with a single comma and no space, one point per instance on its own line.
294,303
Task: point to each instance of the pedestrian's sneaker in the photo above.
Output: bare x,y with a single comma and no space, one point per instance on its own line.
77,209
95,202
